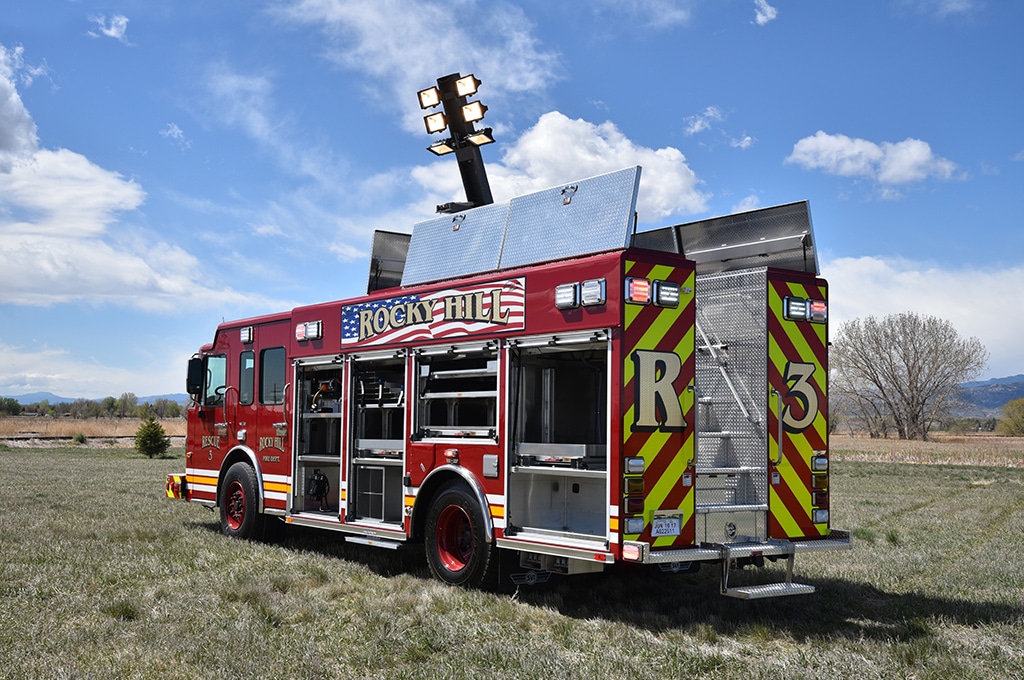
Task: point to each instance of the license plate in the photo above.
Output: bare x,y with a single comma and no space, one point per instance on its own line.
666,526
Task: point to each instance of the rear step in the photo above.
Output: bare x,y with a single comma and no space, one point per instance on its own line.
731,553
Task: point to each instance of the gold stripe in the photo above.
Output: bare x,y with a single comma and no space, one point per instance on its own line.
277,486
201,479
497,511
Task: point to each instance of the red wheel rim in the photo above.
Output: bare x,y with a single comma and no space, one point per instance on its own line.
454,538
235,506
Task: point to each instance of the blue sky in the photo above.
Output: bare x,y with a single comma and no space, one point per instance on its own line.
167,165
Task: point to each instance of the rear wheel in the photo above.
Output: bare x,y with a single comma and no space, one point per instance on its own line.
456,545
239,502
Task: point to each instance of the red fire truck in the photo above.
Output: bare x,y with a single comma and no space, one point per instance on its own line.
537,377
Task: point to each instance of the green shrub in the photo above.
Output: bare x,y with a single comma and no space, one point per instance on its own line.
79,438
150,438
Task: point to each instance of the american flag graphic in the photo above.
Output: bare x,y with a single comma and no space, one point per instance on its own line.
445,313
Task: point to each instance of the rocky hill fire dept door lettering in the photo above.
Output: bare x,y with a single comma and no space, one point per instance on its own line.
657,402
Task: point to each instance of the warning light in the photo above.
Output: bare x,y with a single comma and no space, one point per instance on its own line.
638,291
310,330
666,294
567,296
817,312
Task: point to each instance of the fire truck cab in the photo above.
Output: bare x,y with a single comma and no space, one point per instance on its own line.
537,377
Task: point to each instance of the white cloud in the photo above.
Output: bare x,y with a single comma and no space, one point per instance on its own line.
978,302
887,163
116,27
702,121
744,142
655,13
943,8
62,237
403,46
176,134
752,202
18,137
763,12
559,149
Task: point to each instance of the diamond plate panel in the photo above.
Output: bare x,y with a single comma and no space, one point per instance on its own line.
588,216
456,245
732,380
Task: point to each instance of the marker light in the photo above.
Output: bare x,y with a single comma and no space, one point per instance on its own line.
819,464
634,525
592,292
638,291
818,312
634,485
820,499
634,466
634,505
794,309
819,482
567,296
666,294
311,330
820,516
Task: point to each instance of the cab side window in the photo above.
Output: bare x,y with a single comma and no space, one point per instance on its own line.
215,382
272,376
246,384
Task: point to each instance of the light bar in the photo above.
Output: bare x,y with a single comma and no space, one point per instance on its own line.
310,330
429,98
435,122
466,86
666,294
473,112
592,292
567,296
638,291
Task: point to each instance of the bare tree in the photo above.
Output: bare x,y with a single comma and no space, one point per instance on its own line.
904,369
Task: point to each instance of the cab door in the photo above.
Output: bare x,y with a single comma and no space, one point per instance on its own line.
208,428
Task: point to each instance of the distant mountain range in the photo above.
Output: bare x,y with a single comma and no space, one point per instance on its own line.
981,399
36,397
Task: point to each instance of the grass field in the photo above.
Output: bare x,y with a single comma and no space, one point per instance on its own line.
102,577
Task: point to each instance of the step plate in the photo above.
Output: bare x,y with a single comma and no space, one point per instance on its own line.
768,590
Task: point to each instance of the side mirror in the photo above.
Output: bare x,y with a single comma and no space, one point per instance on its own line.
194,381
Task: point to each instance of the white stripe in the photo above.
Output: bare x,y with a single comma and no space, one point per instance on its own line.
275,496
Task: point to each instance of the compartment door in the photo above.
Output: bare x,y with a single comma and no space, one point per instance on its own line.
657,402
798,390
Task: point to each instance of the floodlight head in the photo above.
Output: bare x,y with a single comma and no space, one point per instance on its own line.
441,148
466,86
435,122
473,112
429,98
480,137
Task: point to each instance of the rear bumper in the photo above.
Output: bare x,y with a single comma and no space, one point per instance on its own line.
837,539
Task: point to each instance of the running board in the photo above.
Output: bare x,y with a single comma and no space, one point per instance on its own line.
758,592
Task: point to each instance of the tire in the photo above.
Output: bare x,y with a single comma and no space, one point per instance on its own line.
455,541
239,503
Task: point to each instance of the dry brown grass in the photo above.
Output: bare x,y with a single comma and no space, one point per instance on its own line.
943,449
23,427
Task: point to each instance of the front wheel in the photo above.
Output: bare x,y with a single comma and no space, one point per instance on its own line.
239,502
456,542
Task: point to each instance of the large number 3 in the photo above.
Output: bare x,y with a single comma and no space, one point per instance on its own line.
800,374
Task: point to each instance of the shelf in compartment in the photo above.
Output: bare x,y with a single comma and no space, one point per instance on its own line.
465,373
483,394
326,459
364,460
321,416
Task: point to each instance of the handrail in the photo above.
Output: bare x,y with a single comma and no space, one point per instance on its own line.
778,397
